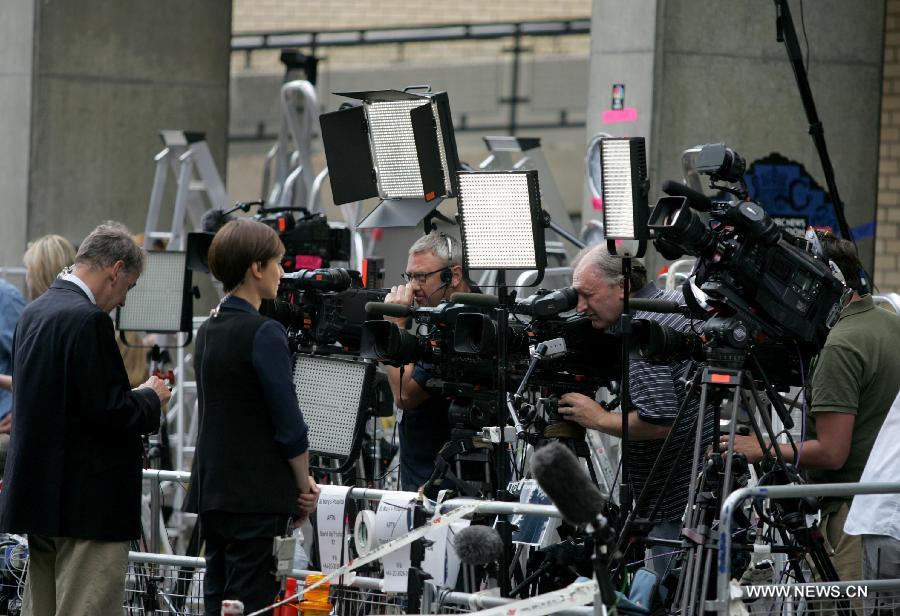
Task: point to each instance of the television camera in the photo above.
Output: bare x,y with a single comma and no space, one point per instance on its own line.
322,309
763,285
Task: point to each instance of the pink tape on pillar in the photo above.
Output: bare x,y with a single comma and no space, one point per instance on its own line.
597,203
629,114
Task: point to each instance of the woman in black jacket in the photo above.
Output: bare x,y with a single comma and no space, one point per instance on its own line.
252,465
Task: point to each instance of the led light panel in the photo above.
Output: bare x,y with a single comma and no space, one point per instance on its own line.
499,220
618,205
332,394
398,146
160,301
440,139
394,148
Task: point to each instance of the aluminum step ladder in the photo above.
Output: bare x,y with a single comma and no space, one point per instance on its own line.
188,157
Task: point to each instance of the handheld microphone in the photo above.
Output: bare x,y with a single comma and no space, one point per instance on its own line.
696,200
389,310
476,299
478,545
657,305
563,479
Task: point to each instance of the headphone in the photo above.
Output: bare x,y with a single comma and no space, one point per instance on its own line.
447,272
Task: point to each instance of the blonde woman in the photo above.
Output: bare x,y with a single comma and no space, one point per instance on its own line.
45,258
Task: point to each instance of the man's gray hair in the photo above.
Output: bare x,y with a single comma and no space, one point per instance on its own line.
610,267
436,243
108,243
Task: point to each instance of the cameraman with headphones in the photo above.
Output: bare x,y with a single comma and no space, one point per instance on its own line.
433,273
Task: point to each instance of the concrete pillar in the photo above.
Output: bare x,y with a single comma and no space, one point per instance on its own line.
16,41
85,86
698,73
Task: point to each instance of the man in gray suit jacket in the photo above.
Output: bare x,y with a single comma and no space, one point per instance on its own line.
73,476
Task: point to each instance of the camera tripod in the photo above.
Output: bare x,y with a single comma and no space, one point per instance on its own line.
725,378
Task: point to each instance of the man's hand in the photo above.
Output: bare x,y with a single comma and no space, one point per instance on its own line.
6,424
582,410
307,501
747,445
159,386
401,295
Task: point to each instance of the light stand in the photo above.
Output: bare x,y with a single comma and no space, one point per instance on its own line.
623,168
502,228
787,33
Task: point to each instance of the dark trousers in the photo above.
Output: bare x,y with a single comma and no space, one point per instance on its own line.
239,560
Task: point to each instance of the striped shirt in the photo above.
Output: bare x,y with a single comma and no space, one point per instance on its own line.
657,391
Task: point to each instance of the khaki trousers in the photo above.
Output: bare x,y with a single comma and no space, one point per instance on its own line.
75,577
845,550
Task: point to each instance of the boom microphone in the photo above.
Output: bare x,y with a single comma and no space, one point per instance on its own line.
388,310
696,200
548,304
476,299
478,545
563,479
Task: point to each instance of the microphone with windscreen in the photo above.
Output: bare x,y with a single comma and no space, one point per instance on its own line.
563,479
478,545
214,219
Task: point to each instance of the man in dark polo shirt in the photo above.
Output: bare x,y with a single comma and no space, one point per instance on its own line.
854,382
433,273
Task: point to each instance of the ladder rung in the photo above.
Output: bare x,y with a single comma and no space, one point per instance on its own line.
197,185
160,235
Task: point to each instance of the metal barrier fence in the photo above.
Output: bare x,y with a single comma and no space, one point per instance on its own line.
160,584
808,598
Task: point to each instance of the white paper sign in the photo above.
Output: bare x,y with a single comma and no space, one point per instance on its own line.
392,520
441,561
331,528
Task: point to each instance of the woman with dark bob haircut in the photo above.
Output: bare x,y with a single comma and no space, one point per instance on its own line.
251,471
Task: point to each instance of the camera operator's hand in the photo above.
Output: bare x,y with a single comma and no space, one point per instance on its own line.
747,445
307,501
581,409
401,295
159,386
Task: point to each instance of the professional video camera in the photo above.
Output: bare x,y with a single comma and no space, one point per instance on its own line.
384,341
309,241
322,307
763,282
460,340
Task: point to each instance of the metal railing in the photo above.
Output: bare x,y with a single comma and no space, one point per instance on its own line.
737,498
311,41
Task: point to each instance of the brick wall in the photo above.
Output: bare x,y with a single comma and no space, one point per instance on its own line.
887,242
286,15
271,15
